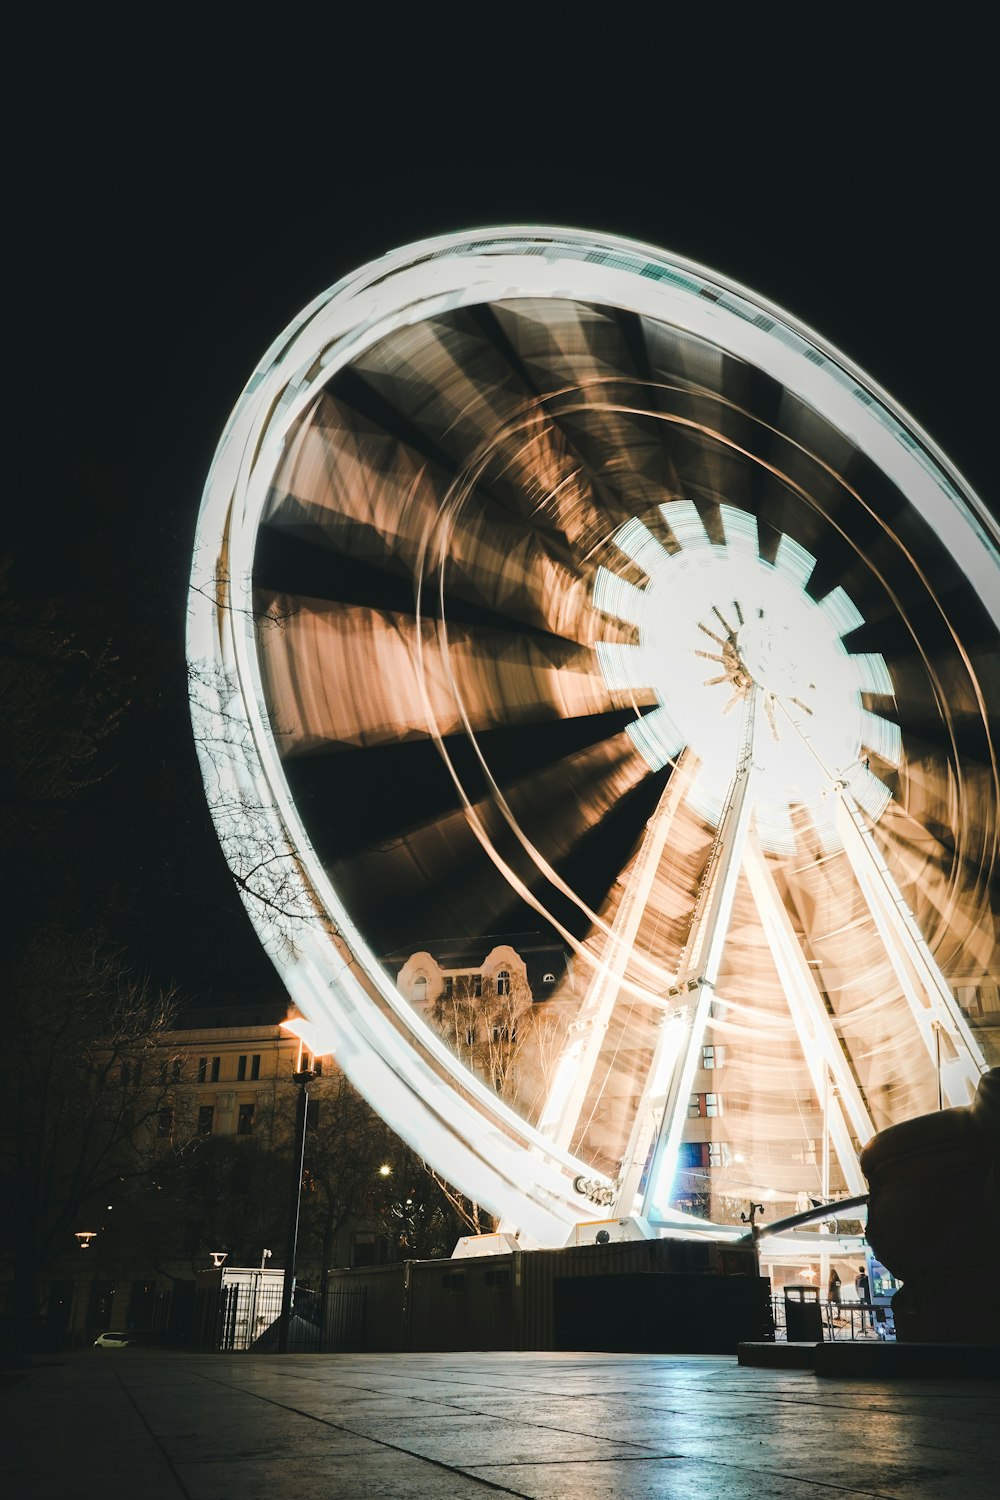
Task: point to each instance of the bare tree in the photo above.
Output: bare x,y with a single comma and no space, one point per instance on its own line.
508,1041
82,1092
346,1145
502,1035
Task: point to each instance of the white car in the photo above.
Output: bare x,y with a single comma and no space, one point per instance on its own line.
112,1341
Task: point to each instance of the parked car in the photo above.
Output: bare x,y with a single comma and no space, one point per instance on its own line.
111,1340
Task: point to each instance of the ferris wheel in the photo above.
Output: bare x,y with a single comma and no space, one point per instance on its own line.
547,580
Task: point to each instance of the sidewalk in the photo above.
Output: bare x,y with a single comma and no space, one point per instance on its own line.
166,1426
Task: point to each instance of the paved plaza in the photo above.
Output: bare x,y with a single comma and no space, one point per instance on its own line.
164,1426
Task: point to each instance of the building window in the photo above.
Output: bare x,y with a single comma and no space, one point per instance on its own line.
548,979
312,1114
713,1105
477,986
317,1067
503,982
713,1056
365,1249
718,1153
206,1114
202,1069
449,987
255,1066
694,1107
241,1069
420,989
165,1123
216,1062
244,1122
470,1036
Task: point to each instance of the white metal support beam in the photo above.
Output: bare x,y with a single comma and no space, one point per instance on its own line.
946,1035
659,1122
816,1033
575,1069
950,1044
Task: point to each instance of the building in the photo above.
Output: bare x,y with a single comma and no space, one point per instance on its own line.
229,1077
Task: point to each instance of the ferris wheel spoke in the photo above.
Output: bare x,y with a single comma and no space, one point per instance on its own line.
585,812
400,784
351,513
352,676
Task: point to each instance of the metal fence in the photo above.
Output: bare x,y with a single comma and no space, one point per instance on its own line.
345,1321
247,1316
839,1321
250,1318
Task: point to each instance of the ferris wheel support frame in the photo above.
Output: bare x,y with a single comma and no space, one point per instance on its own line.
934,1009
833,1081
659,1121
938,1013
575,1070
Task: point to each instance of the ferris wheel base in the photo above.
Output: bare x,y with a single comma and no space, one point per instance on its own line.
611,1231
484,1244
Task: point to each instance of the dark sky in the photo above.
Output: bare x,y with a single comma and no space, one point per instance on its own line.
182,188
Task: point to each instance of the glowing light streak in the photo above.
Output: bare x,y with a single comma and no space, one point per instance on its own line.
622,667
615,596
684,519
882,737
872,673
841,611
639,544
794,562
740,530
657,739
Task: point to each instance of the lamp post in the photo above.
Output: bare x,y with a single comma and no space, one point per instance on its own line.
83,1238
303,1079
748,1218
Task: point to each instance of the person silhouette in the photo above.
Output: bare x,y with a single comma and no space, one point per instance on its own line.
864,1291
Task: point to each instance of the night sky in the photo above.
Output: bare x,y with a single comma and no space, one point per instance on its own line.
181,191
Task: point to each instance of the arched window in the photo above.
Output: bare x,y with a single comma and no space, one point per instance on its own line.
503,982
420,988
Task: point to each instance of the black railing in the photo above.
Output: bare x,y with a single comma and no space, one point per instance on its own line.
840,1321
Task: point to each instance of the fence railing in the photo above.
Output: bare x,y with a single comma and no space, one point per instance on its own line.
241,1316
838,1321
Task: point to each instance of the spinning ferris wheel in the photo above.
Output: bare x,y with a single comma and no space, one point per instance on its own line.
545,580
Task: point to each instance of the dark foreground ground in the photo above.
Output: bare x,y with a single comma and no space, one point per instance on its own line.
129,1423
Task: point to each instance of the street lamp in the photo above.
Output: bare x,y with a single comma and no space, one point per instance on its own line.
303,1079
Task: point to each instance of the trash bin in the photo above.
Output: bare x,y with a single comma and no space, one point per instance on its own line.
803,1316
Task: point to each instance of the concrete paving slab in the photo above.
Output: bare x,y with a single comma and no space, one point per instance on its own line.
164,1426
